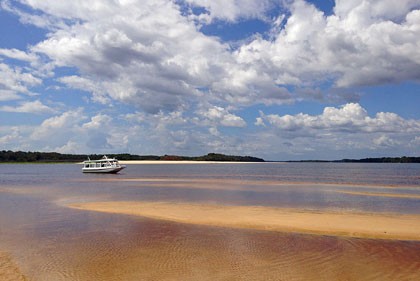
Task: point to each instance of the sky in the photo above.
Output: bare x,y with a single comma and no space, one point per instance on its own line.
277,79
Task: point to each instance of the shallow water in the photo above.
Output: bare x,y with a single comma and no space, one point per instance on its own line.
42,239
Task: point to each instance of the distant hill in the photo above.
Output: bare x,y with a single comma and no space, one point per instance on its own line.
22,156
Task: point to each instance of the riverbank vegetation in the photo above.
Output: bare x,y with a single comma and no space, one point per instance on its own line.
48,157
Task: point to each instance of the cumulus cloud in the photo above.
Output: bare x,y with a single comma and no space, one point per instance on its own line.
184,88
218,116
347,131
175,133
358,45
149,54
68,132
230,10
18,55
36,107
12,136
349,118
341,129
15,81
140,52
98,122
61,126
80,83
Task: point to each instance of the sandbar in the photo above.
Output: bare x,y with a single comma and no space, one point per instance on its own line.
149,162
381,194
348,224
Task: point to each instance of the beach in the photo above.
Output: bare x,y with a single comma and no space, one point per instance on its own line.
360,225
182,162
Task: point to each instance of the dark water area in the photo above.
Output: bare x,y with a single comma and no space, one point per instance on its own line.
42,239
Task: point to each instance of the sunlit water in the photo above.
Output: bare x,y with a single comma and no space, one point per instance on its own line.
42,239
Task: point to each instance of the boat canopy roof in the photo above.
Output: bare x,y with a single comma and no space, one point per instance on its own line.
103,159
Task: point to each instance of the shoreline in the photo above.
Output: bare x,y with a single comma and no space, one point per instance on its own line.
344,224
148,162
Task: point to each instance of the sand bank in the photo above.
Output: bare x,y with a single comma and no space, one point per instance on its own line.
378,226
9,271
149,162
381,194
279,182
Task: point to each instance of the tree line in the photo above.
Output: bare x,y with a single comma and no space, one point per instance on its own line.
28,156
403,159
23,156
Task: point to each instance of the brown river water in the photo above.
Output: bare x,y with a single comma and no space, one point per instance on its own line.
42,238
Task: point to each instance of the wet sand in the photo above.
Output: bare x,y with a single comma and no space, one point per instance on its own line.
381,194
167,251
360,225
9,271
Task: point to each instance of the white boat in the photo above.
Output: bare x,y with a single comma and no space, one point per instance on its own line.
104,165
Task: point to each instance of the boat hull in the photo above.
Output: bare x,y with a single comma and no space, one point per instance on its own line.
105,170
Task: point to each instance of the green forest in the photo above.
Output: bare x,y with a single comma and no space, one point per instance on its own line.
403,159
53,157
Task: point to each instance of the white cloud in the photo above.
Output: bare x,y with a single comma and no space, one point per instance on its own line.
68,132
358,46
80,83
15,81
349,118
12,136
99,121
36,107
7,95
374,10
18,55
70,147
231,10
173,133
348,129
183,87
385,141
61,126
218,116
146,53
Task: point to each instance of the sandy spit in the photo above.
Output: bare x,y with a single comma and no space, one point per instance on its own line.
381,194
157,162
361,225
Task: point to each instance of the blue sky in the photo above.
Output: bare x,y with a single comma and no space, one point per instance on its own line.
282,80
